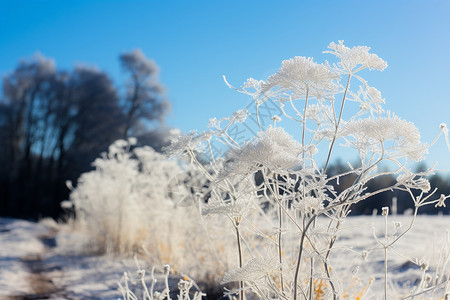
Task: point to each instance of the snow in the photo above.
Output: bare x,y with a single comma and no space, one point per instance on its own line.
423,243
32,250
18,239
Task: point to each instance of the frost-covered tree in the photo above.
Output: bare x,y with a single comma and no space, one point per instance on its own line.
145,99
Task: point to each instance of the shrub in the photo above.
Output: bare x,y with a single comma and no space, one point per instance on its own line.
131,203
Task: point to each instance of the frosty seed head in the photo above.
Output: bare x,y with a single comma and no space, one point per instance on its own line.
441,202
424,266
184,285
365,254
356,58
141,274
303,76
166,269
276,118
132,141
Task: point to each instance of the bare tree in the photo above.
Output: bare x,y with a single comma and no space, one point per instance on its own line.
145,99
52,124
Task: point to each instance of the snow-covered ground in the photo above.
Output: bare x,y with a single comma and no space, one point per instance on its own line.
32,266
36,261
427,242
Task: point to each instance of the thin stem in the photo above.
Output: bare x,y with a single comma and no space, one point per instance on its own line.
416,209
311,278
338,122
280,253
304,122
257,116
325,265
300,252
210,152
385,255
279,203
238,237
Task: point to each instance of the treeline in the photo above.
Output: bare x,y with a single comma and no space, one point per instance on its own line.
404,202
54,123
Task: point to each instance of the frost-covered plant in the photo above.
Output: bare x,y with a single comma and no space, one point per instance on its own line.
274,187
124,196
137,201
152,292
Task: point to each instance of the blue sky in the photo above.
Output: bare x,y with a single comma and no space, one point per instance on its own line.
196,42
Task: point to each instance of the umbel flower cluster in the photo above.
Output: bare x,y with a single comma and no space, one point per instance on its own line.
274,187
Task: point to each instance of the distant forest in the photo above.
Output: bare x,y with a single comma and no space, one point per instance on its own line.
403,200
54,123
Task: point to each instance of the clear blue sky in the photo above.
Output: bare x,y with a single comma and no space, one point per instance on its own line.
196,42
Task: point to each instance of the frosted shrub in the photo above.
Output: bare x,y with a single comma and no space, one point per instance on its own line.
139,202
273,187
118,202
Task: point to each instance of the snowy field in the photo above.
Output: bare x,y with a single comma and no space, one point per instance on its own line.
37,263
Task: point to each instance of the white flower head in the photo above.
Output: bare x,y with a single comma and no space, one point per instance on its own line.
371,132
255,269
309,205
303,76
273,149
252,83
188,142
237,117
356,58
251,87
240,116
132,141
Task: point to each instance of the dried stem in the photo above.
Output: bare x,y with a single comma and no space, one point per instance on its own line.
337,123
